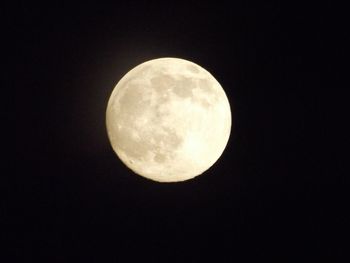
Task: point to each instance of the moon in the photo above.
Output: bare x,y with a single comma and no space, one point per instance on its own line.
168,119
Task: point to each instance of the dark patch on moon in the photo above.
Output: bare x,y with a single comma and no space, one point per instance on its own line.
205,85
160,158
193,68
133,101
205,103
184,87
161,83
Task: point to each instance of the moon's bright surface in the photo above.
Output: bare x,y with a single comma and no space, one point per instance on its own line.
168,119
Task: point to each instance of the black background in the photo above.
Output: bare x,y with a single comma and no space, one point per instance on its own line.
277,191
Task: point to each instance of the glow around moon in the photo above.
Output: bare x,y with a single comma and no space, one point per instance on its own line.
168,120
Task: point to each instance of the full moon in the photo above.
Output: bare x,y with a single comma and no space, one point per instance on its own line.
168,120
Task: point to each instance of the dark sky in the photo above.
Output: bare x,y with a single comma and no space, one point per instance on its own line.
277,192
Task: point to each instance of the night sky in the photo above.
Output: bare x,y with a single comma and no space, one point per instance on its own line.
278,191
